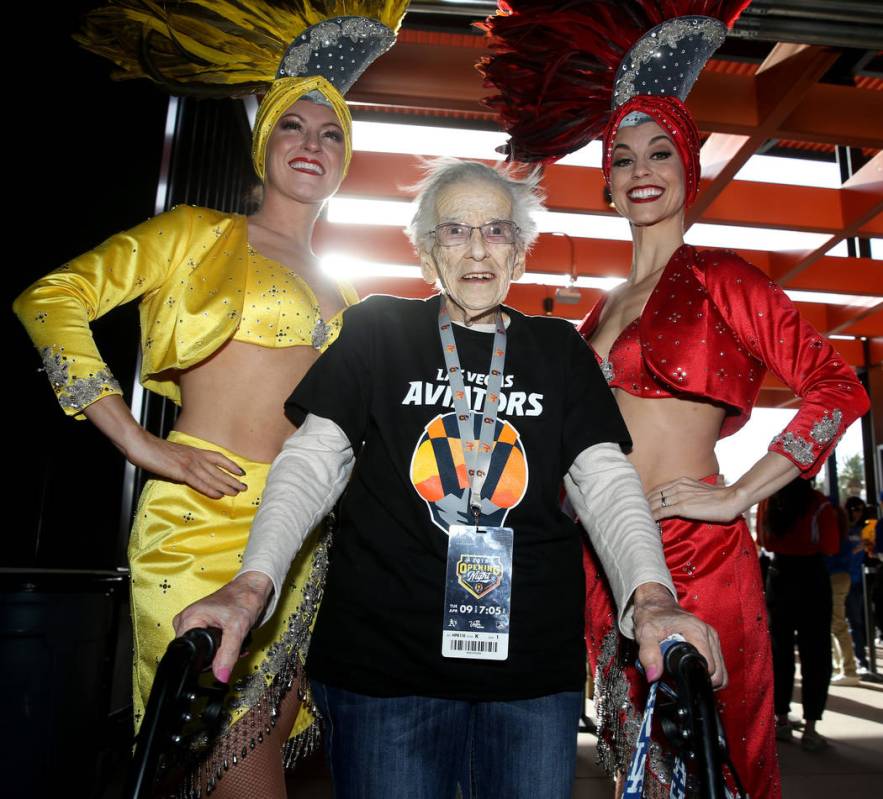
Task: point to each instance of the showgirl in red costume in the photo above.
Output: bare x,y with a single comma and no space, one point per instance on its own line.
684,343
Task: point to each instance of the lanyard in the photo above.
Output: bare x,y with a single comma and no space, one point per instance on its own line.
476,453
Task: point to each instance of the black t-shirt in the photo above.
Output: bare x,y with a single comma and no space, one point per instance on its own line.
379,629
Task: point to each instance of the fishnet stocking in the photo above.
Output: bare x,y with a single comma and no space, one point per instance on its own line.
260,774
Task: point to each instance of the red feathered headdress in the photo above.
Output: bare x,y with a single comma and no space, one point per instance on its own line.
562,69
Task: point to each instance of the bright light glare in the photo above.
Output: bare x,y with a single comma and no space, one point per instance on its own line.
392,137
877,249
590,155
862,301
347,268
752,238
588,226
582,281
354,211
343,267
388,137
791,171
398,213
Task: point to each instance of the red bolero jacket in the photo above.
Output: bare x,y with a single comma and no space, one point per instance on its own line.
711,328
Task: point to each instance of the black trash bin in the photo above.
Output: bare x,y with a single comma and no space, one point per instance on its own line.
58,634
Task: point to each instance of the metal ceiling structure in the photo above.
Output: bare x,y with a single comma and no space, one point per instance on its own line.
797,77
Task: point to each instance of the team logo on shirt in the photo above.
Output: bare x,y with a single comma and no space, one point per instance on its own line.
438,472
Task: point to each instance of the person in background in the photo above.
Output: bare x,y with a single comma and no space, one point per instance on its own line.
799,526
857,512
876,589
840,569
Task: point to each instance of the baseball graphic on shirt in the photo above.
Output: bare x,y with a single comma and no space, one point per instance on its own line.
438,472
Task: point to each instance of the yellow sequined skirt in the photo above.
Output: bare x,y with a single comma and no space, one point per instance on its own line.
184,546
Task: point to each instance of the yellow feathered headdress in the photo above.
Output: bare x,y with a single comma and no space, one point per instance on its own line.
225,48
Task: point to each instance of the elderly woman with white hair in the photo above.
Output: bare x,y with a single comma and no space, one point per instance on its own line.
454,598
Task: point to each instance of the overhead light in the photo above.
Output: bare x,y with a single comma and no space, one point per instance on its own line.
791,171
348,268
830,298
433,140
398,213
343,267
757,238
389,137
357,211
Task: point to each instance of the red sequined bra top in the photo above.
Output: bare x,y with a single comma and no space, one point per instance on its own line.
711,328
624,367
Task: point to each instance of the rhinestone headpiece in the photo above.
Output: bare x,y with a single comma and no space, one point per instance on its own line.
667,60
339,49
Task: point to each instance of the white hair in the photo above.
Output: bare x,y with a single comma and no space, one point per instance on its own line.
525,194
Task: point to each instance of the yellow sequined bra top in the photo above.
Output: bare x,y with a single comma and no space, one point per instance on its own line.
279,308
199,285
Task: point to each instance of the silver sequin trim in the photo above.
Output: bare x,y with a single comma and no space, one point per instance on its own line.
669,35
607,370
78,392
295,640
321,333
327,34
55,366
611,699
798,448
824,430
619,724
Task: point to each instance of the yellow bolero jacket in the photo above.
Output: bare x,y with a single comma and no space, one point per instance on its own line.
189,266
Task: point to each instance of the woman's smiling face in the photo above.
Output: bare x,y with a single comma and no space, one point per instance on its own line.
305,153
646,176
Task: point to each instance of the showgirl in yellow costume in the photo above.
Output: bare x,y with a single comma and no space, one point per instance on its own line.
234,310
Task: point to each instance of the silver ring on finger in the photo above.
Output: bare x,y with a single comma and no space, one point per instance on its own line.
664,502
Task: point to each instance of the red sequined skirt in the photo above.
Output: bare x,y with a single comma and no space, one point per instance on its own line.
717,576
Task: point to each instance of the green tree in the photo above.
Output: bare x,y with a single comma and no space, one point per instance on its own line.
850,473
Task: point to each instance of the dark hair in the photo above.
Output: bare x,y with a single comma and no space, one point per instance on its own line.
787,505
855,503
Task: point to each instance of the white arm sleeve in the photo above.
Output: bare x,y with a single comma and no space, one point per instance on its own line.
606,493
306,479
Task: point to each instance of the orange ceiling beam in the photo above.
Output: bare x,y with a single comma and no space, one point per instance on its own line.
869,323
835,115
427,71
603,258
781,82
581,189
552,255
861,202
843,275
421,72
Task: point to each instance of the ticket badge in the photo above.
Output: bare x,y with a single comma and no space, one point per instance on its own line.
478,588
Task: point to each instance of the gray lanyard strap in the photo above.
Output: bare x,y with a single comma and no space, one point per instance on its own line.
476,454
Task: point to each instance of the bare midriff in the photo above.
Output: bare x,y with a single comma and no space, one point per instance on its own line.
671,437
236,397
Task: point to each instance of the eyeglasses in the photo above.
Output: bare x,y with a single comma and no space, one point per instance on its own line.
452,234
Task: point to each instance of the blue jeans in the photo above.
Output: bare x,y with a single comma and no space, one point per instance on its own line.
855,615
418,747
